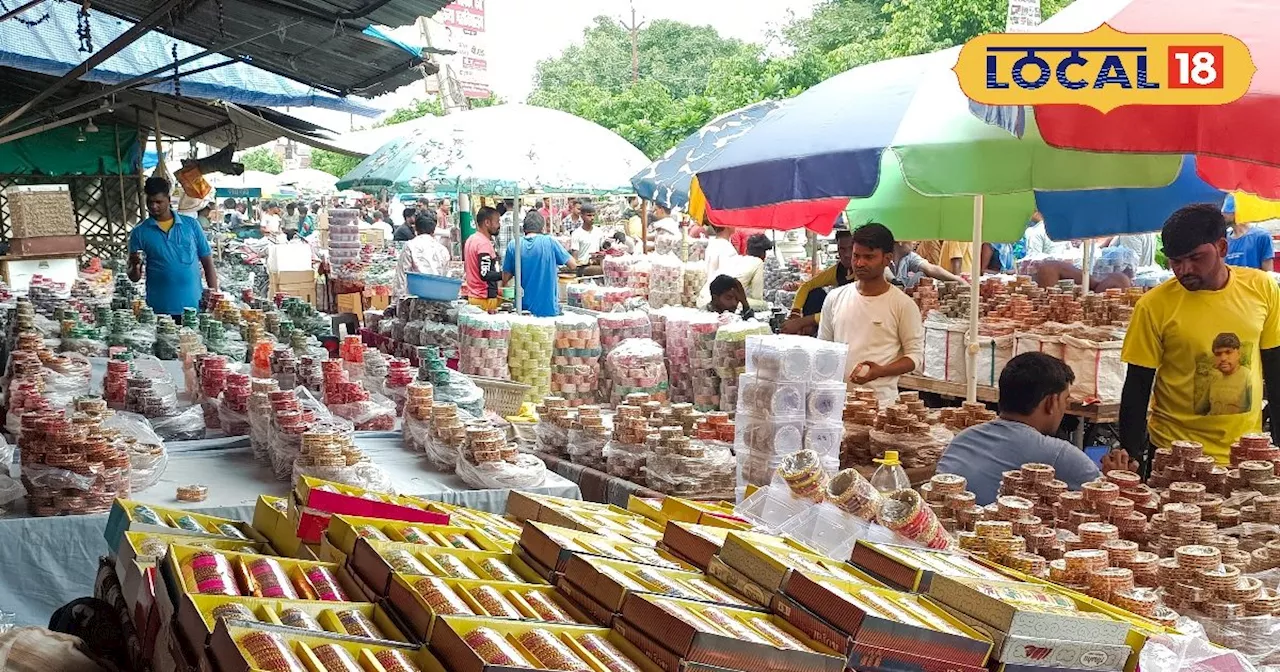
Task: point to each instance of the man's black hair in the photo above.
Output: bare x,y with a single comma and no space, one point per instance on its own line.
425,222
1192,226
485,213
156,185
875,236
620,236
842,234
1030,377
1226,341
408,214
722,284
588,207
759,245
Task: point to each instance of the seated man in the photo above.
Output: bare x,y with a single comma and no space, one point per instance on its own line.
729,296
1033,398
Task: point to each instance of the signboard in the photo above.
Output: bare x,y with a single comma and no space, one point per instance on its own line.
460,27
1023,16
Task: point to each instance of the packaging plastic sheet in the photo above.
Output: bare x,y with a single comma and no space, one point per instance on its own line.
795,358
627,460
695,278
993,354
575,359
529,356
186,425
484,344
917,448
377,413
637,365
708,471
525,471
666,281
587,446
944,350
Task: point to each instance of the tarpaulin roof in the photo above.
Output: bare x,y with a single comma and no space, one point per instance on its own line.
324,43
50,48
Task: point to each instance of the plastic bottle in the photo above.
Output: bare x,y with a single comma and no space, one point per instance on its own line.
889,476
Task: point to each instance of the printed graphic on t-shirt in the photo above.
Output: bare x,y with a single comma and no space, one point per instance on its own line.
1223,379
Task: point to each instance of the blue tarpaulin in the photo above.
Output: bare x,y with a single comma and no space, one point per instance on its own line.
50,48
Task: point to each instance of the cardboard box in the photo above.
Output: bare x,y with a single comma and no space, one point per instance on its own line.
1055,653
228,656
602,519
829,600
447,641
195,622
46,246
121,519
998,605
343,531
645,613
812,626
912,569
699,542
610,581
177,586
301,284
135,567
553,546
420,618
315,501
766,560
739,582
599,613
878,659
495,526
367,561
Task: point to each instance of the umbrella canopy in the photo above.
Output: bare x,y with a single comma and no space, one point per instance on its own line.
801,164
504,150
1232,139
666,181
249,179
309,179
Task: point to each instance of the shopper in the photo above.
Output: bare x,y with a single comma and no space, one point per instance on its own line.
662,224
540,260
878,322
908,267
173,250
806,311
422,254
1034,395
1200,346
406,231
585,240
307,225
480,262
1247,245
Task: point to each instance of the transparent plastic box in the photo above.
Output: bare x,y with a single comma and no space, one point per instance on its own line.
770,399
768,436
771,508
823,437
795,358
826,401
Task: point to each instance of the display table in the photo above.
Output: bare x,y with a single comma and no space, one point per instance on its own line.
47,562
1098,413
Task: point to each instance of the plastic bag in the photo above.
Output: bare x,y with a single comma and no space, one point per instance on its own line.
363,474
377,413
637,365
712,474
627,460
1192,652
587,448
185,426
915,449
525,472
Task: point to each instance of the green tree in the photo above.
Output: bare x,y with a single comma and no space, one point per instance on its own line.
262,159
333,163
420,107
477,103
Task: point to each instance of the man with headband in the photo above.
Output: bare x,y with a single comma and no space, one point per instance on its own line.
1200,345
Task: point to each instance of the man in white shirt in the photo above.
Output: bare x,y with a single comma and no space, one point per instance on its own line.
1038,241
585,240
662,224
879,322
269,225
422,254
747,269
719,249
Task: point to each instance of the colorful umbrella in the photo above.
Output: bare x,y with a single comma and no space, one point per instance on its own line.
1232,140
504,150
801,164
666,180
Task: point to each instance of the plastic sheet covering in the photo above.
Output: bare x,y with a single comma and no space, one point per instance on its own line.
462,391
147,455
377,413
365,475
11,489
1191,651
187,425
527,471
628,461
587,448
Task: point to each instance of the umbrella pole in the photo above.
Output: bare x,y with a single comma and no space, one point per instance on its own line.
813,252
519,243
1086,264
975,281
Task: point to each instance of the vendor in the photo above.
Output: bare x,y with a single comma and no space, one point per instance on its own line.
806,311
1034,395
1203,342
747,269
173,249
1049,271
729,296
719,249
585,240
421,254
663,224
878,322
908,267
481,267
540,260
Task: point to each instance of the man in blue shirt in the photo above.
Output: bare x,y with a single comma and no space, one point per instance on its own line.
1247,245
1034,391
174,250
540,260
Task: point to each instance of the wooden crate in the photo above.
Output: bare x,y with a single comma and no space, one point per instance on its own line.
301,284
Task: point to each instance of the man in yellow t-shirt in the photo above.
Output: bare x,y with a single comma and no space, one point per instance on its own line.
1200,346
957,256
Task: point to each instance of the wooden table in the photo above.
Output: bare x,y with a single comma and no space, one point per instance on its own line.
1097,413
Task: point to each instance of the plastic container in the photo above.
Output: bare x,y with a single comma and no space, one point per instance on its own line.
432,287
824,437
826,401
889,476
795,358
770,399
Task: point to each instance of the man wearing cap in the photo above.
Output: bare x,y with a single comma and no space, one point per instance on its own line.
1200,346
540,260
1247,245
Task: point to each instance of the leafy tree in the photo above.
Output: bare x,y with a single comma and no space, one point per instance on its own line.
333,163
477,103
262,159
420,107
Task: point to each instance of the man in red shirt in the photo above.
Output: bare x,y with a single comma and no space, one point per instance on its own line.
481,263
739,238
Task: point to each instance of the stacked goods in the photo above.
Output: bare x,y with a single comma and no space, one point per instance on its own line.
211,371
71,465
588,438
233,407
260,415
597,298
627,455
677,334
636,365
906,513
399,376
529,357
968,414
688,467
695,278
555,419
696,251
419,398
666,281
482,348
344,236
925,294
486,443
705,382
904,428
783,280
773,404
575,361
614,329
729,357
447,435
350,400
861,408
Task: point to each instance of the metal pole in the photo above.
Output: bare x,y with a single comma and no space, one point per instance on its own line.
519,243
975,280
19,9
644,226
1086,264
53,124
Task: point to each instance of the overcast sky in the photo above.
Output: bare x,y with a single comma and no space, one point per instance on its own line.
521,32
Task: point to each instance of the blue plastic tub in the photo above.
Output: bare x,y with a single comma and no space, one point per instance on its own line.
432,287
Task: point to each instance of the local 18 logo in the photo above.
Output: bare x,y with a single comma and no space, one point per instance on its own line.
1104,69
